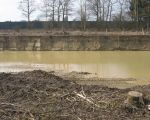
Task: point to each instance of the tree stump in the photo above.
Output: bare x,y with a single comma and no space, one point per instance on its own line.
135,98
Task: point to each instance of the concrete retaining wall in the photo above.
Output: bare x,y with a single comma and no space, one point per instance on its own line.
74,43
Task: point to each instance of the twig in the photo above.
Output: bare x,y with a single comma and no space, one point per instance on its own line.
86,99
11,104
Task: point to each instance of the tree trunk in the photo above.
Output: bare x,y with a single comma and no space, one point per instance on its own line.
28,11
135,98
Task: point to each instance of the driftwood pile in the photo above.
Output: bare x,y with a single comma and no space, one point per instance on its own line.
39,95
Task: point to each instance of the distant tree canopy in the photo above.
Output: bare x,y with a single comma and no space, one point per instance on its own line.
140,10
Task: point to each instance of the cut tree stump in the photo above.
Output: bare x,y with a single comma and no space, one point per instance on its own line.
135,98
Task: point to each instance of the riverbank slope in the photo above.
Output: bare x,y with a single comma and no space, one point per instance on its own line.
73,41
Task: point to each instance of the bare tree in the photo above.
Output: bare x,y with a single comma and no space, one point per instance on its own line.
95,8
121,4
83,13
53,6
44,8
113,7
123,8
110,4
52,11
66,9
27,7
102,9
48,8
59,10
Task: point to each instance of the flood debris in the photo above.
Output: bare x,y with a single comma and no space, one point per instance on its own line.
40,95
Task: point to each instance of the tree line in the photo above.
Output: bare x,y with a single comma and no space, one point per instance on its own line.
88,10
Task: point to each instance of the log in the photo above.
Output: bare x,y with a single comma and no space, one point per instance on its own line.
135,98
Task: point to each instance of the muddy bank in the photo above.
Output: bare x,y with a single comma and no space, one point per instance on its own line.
40,95
74,41
86,78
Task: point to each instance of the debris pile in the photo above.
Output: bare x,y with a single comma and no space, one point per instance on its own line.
40,95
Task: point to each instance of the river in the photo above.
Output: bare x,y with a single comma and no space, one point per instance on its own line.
105,64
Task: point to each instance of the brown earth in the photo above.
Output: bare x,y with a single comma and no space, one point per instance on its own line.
40,95
23,32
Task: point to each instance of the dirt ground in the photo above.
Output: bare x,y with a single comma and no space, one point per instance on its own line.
40,95
26,32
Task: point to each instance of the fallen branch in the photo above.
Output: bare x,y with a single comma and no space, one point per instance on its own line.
10,104
86,99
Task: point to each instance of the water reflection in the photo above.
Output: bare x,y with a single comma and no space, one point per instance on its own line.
105,64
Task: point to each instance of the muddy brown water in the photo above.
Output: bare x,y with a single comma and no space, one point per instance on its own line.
105,64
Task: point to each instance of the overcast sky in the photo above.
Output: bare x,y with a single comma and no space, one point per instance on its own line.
9,11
